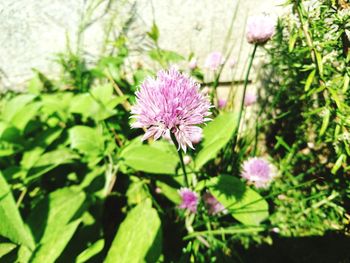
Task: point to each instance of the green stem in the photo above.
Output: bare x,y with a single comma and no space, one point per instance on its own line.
179,152
246,80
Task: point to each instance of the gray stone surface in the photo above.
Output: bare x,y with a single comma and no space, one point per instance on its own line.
33,31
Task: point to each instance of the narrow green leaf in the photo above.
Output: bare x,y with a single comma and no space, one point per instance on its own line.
309,80
6,248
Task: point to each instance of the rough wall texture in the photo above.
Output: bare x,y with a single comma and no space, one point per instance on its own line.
33,31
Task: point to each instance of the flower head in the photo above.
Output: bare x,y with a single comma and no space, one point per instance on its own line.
249,99
213,205
258,171
189,200
171,104
214,60
260,29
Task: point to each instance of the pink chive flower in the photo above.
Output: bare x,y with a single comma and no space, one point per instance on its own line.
258,171
192,64
189,200
212,204
260,29
249,99
222,103
171,103
214,60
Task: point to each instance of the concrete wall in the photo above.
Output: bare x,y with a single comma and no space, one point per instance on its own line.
33,31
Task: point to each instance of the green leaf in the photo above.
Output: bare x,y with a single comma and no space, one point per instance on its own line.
243,203
150,159
15,105
86,140
137,191
91,251
53,222
161,55
6,248
169,192
154,33
11,224
138,238
325,121
216,135
27,113
309,80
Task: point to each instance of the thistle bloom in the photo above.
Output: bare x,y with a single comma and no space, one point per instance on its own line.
169,104
212,204
214,60
249,99
189,200
260,29
258,171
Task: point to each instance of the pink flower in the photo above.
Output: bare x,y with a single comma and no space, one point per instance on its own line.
260,29
213,205
222,103
171,103
189,200
249,99
192,64
214,60
258,171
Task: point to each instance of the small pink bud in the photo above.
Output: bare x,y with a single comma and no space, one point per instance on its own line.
214,60
222,103
158,190
192,64
249,99
187,159
232,63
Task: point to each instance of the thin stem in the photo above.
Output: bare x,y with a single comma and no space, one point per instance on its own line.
246,80
179,152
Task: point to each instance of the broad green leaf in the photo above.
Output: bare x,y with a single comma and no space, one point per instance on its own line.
216,135
11,224
6,248
165,55
86,140
102,93
137,191
50,250
138,238
243,203
169,192
150,159
15,105
91,251
53,222
27,113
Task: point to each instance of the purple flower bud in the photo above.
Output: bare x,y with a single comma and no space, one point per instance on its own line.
189,200
222,103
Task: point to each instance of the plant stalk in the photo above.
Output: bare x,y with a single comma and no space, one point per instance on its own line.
179,152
